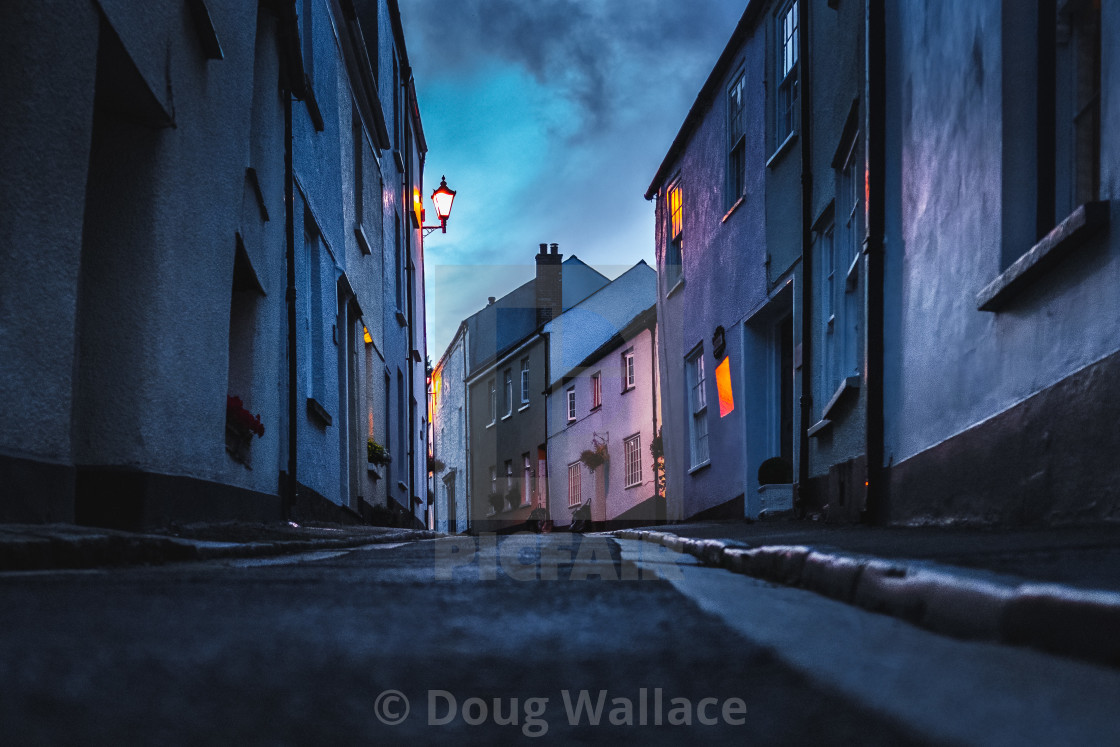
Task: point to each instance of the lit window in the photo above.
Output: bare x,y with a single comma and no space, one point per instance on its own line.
723,388
596,390
572,405
574,498
525,381
675,245
698,405
633,460
785,120
736,137
628,378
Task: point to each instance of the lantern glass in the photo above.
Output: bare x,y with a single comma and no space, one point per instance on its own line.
443,197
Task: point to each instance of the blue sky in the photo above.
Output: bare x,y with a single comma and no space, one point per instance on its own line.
549,118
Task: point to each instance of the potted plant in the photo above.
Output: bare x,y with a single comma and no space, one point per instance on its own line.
594,457
241,426
496,501
376,453
436,465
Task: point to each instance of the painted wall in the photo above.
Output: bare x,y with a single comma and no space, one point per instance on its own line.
622,414
724,284
449,432
951,184
163,284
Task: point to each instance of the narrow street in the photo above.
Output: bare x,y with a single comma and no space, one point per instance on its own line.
302,650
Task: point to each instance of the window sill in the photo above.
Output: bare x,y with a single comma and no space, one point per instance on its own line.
490,424
703,465
402,320
676,288
313,108
373,471
1066,237
635,485
317,412
629,389
507,416
398,159
570,423
849,384
596,408
363,240
818,427
782,149
523,407
734,207
401,485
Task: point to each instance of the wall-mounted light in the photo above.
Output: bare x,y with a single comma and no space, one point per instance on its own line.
443,196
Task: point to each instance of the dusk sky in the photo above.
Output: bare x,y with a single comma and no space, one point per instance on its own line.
549,118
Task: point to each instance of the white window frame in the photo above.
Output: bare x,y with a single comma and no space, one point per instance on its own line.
596,390
629,373
699,452
525,381
633,451
492,392
571,395
575,497
526,478
787,30
507,380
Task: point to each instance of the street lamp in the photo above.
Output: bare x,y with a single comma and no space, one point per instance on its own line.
443,196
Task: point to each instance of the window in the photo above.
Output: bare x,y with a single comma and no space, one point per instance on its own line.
574,498
596,390
698,406
572,404
826,298
359,182
493,484
633,460
526,479
628,378
1072,90
785,119
399,250
492,400
525,381
674,247
314,351
849,204
509,475
508,390
736,138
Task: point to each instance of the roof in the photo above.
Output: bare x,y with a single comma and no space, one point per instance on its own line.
508,322
707,94
584,329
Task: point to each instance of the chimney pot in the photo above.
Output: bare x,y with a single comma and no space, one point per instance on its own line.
544,249
555,248
490,301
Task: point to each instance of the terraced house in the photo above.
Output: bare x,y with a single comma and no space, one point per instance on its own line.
212,204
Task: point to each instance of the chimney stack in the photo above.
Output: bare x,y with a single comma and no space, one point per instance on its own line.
490,301
549,284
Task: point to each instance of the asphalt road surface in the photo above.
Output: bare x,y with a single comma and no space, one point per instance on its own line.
535,639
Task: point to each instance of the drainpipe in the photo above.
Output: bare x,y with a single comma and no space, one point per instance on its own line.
806,256
876,223
652,327
292,83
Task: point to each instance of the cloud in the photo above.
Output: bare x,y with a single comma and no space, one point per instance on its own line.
591,52
550,118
